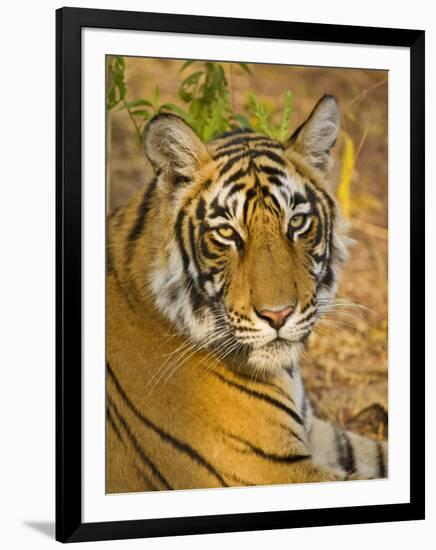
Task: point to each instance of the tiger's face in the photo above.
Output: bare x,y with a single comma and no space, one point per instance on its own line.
254,246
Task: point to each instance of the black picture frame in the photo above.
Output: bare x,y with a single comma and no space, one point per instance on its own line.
69,525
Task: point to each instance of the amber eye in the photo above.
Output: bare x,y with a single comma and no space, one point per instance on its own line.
297,221
226,232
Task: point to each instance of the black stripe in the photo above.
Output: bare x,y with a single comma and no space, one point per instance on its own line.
200,211
241,482
264,142
252,140
241,148
231,162
273,457
288,430
272,170
206,252
240,173
218,211
218,244
299,198
228,152
317,238
179,237
180,179
147,480
318,258
193,245
316,204
308,305
345,451
239,142
339,447
271,385
290,371
236,187
174,442
251,194
273,180
269,154
185,257
268,195
145,459
305,318
207,184
138,227
262,396
318,197
236,132
350,463
111,421
196,299
328,278
329,213
380,460
143,209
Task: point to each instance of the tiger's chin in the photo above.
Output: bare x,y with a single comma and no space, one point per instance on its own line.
270,359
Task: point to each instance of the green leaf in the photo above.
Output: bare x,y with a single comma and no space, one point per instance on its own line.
215,121
260,112
136,103
283,131
174,108
245,67
186,64
142,113
119,62
243,121
192,78
186,91
116,88
156,97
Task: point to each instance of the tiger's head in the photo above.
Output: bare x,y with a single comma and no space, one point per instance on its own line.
246,236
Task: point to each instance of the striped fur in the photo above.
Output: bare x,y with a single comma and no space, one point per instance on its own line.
203,391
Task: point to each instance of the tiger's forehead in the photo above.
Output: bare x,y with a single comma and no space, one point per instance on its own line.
243,146
252,166
240,139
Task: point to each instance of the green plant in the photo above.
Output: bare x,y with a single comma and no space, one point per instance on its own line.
262,114
116,89
206,103
140,110
206,95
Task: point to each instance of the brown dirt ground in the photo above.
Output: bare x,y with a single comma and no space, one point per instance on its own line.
345,365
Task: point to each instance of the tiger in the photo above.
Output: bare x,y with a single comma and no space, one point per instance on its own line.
217,272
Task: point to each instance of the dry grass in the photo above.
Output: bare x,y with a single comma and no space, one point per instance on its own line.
345,365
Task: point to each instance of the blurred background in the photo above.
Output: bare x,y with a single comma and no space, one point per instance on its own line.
345,364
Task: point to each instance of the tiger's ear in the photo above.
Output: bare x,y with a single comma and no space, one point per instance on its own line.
316,136
172,146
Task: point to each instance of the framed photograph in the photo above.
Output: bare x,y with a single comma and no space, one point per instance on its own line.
240,275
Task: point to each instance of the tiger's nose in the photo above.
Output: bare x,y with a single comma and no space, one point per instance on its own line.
276,318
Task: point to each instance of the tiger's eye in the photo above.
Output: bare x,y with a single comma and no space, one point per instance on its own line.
297,221
226,232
